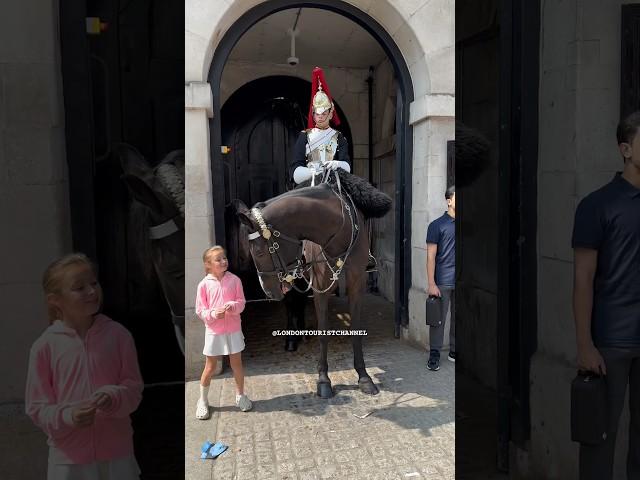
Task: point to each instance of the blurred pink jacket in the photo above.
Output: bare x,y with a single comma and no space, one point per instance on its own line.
212,294
65,371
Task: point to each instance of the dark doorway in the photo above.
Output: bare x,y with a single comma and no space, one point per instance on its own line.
260,123
497,75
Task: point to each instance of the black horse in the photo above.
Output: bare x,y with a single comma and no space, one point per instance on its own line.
327,223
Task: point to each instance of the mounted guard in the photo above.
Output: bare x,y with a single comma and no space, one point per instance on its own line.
320,147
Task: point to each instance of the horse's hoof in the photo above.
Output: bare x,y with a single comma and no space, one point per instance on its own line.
324,390
367,386
290,345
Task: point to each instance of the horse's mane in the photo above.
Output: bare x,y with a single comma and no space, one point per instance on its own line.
370,201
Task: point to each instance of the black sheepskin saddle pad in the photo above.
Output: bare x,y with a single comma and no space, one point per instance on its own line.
370,201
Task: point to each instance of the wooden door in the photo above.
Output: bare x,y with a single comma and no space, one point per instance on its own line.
256,170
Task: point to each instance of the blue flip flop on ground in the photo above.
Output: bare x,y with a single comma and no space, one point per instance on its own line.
212,450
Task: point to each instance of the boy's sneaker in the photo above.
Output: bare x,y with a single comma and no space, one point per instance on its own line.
452,357
243,403
434,361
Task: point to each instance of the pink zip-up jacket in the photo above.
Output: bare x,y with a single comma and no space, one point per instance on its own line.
65,371
214,293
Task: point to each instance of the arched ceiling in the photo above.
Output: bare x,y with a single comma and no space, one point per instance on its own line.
325,38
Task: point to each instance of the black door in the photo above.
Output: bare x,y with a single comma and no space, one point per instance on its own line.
630,62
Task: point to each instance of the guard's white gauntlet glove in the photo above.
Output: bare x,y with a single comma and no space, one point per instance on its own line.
335,164
302,174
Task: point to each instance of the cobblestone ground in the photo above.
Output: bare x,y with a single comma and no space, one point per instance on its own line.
407,431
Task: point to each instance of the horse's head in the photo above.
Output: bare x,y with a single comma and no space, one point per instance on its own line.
157,220
161,188
277,255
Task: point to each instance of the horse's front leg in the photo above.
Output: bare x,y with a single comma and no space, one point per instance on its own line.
356,292
324,390
290,342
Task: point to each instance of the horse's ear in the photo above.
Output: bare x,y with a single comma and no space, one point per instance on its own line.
239,205
131,160
142,192
245,218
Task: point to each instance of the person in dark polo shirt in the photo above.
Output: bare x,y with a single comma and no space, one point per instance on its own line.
441,277
606,299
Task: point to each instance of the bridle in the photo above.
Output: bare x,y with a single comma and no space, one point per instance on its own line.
289,272
284,272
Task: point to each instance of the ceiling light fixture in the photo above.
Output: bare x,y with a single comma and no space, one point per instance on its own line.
293,31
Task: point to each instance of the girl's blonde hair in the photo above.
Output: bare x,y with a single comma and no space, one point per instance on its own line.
210,251
53,278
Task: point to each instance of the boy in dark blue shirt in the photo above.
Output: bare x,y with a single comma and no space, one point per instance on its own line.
441,277
606,299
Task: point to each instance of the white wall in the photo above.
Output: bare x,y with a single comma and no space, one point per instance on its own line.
579,110
33,178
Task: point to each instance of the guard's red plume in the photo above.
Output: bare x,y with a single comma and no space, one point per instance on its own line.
318,75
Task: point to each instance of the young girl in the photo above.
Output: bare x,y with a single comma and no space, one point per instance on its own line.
83,380
219,303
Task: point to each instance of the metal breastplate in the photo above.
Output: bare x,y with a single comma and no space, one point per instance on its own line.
324,152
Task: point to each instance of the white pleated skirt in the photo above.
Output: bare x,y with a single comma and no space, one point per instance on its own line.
223,344
119,469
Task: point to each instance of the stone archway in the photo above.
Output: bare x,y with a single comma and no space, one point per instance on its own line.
425,106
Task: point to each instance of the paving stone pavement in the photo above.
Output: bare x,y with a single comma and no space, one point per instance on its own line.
408,432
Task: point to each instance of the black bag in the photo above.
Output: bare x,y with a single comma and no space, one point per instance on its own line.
434,311
589,408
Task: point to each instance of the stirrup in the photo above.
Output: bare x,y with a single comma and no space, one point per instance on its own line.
371,267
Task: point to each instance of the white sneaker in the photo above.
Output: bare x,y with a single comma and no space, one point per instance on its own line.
243,403
202,410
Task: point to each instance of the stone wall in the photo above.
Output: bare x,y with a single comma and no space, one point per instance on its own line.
34,207
33,179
